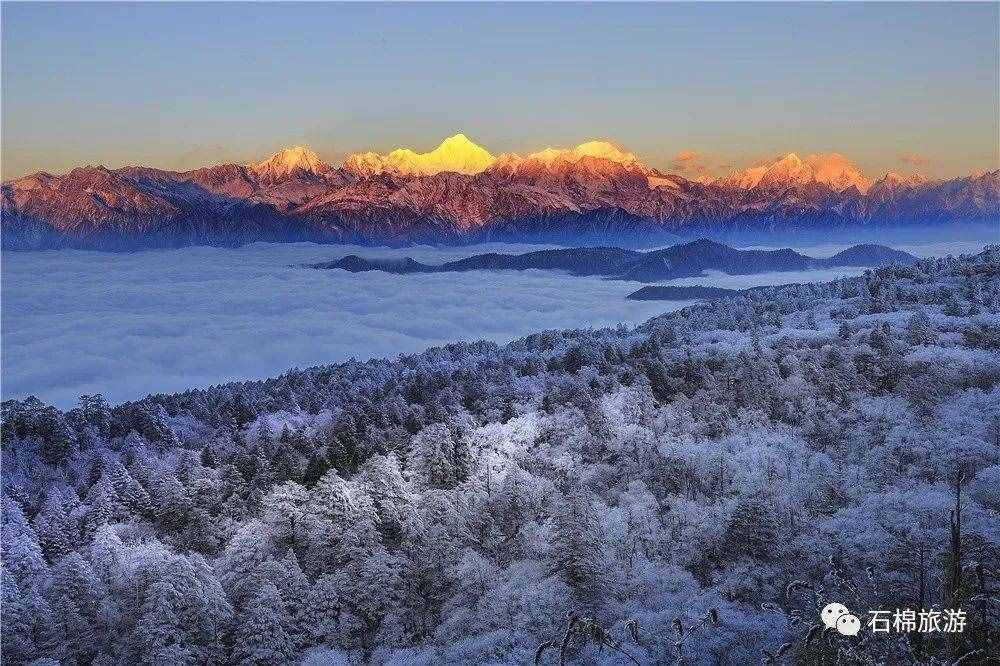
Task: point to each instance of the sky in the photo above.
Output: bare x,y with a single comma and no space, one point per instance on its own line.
688,87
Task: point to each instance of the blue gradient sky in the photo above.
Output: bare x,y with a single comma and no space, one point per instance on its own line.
180,85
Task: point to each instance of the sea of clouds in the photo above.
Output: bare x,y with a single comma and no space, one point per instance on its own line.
125,325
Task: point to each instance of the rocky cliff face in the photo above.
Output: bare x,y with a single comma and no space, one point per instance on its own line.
460,192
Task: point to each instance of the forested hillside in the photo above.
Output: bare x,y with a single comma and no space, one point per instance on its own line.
686,492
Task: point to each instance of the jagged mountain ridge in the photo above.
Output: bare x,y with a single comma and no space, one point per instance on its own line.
834,171
459,192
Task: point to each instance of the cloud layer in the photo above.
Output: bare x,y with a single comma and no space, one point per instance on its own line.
129,324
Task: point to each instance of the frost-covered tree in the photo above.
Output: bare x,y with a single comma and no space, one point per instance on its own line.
920,329
262,636
282,512
57,533
22,554
433,454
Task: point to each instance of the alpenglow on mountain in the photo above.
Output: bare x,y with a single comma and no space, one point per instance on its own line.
456,154
460,192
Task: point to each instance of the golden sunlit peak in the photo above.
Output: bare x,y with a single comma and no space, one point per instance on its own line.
605,150
830,169
599,149
457,154
458,139
287,160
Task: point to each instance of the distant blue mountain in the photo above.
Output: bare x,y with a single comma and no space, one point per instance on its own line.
678,261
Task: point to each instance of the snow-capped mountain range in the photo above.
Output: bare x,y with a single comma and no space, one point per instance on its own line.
833,170
460,192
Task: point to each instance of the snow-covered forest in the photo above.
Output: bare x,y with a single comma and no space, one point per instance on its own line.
691,491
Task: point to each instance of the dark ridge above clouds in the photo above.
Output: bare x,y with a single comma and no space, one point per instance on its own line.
869,254
683,260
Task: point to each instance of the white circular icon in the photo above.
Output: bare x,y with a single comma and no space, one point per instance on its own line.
849,625
831,613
